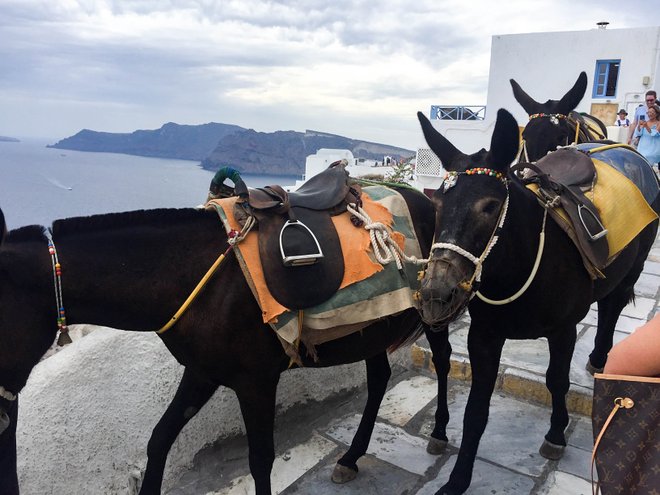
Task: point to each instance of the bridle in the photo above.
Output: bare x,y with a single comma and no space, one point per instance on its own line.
471,286
585,133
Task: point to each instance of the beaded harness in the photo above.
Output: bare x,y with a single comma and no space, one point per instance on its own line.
57,283
554,119
450,180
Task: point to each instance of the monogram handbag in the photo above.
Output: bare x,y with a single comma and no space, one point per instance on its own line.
626,424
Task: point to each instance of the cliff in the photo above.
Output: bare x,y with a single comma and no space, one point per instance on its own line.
185,142
284,152
217,145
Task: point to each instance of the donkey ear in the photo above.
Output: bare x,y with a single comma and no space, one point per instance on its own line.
440,145
505,141
530,105
574,95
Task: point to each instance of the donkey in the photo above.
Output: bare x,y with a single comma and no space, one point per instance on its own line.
486,238
112,277
554,123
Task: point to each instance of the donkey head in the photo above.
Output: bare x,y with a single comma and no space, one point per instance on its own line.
547,127
468,206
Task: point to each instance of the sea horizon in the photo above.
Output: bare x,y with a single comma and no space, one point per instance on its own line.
39,184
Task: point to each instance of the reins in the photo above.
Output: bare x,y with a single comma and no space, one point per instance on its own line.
195,292
233,237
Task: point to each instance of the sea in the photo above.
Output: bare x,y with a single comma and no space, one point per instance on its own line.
39,184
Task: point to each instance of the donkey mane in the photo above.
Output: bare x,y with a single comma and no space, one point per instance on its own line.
107,221
27,233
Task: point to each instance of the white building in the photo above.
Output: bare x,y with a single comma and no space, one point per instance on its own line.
357,167
621,65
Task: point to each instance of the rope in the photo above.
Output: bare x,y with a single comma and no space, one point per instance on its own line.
385,248
609,146
6,394
537,262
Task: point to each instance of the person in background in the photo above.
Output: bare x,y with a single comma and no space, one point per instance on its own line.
639,353
622,119
649,137
640,113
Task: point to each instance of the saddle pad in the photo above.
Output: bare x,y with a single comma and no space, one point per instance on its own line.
624,220
629,163
359,262
354,306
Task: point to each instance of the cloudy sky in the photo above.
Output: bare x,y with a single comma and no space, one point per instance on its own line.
356,68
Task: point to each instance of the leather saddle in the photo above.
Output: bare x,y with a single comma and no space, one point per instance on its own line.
563,178
299,246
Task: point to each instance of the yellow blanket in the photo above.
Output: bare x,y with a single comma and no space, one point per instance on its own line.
622,207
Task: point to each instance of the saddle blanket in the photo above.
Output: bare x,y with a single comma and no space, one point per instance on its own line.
623,209
368,290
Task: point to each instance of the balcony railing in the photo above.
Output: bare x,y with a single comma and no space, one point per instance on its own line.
462,112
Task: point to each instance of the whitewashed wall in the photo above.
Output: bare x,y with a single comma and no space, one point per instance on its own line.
87,412
547,65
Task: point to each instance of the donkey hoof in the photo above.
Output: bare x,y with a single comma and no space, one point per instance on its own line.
551,450
592,369
343,474
435,446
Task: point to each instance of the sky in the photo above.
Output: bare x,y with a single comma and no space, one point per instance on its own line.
360,69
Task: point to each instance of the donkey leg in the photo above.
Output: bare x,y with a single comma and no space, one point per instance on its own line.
557,380
378,374
256,395
485,350
8,475
441,349
609,309
192,394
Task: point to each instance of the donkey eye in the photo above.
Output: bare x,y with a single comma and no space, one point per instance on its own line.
490,207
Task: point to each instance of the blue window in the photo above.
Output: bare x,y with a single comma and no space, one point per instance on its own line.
606,77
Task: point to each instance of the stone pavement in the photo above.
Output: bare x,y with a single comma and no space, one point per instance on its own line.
310,438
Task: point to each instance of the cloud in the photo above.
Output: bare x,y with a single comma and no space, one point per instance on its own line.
350,66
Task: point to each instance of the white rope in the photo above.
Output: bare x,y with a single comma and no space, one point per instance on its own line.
6,394
249,223
385,248
537,262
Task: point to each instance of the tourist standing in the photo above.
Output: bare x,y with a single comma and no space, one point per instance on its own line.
649,137
622,119
640,113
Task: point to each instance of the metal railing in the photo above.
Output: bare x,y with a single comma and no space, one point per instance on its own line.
460,112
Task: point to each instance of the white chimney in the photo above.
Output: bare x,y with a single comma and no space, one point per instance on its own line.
602,24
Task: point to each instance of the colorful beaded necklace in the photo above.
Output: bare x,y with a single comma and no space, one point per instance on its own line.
451,177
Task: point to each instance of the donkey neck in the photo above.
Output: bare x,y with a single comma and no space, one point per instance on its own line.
512,259
135,275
